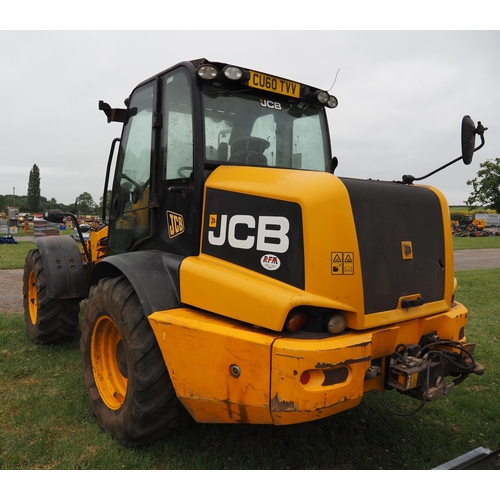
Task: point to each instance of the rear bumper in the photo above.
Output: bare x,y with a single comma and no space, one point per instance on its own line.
228,372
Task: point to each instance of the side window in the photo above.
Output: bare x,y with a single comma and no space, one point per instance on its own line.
308,154
177,127
130,205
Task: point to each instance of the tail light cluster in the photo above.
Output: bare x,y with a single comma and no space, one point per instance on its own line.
313,320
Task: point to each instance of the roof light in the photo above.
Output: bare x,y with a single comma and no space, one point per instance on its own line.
207,72
322,96
326,99
232,73
332,102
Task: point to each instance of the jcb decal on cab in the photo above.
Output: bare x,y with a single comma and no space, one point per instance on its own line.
175,223
270,234
265,103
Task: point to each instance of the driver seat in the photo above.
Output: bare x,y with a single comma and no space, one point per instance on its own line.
249,151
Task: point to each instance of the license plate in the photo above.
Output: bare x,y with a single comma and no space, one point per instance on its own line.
274,84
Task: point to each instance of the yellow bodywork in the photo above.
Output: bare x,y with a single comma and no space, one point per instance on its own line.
97,244
479,223
245,369
217,286
225,371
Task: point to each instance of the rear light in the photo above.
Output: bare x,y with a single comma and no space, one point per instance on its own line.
305,377
337,323
295,321
461,334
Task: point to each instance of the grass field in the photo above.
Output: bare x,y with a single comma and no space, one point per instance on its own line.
46,422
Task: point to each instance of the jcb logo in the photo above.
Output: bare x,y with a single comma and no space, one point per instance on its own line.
175,224
267,233
270,104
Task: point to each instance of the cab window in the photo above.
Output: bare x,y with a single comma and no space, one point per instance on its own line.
244,127
177,127
130,204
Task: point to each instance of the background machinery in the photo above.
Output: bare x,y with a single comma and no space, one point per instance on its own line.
237,279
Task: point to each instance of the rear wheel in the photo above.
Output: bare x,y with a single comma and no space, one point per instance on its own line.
47,320
128,384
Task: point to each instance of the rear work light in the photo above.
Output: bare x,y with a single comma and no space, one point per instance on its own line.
207,72
232,73
326,99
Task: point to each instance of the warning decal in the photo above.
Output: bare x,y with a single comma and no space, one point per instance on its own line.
342,262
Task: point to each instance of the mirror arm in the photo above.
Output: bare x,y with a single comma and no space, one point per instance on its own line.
480,130
408,179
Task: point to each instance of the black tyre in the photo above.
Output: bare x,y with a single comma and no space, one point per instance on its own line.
128,384
47,320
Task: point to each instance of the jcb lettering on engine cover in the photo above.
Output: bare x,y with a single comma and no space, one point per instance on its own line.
255,232
270,234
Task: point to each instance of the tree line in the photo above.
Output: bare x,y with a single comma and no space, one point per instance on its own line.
33,202
485,194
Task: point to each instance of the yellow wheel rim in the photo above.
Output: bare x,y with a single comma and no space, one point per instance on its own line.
32,297
108,362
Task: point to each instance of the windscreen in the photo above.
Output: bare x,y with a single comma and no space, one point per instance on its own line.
249,127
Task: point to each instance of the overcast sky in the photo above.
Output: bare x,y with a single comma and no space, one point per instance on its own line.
402,96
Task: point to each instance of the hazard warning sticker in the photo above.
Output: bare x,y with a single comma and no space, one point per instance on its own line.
342,262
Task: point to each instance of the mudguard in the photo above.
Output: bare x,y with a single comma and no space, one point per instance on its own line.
153,274
63,266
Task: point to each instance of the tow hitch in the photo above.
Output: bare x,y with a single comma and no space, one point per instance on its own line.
421,371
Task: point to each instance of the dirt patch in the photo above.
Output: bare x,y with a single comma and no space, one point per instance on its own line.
487,258
11,286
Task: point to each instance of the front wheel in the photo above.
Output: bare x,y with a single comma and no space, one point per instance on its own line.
48,320
128,384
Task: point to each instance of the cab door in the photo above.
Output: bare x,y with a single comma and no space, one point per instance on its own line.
175,221
130,218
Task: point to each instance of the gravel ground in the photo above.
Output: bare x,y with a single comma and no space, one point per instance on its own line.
11,281
11,286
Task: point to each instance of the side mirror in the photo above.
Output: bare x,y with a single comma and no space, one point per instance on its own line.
469,131
54,215
468,139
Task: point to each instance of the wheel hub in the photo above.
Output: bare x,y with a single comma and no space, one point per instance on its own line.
109,362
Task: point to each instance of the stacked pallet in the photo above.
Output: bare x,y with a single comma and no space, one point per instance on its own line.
43,228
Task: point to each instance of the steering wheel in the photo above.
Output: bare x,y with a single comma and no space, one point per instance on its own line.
131,180
181,172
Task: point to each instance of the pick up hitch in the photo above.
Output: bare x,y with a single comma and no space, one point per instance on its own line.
421,371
